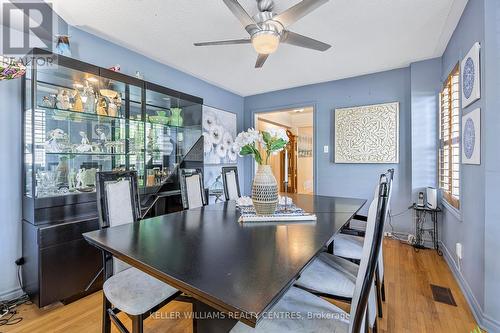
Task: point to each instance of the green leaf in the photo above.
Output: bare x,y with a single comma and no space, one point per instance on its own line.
247,150
277,145
257,156
266,137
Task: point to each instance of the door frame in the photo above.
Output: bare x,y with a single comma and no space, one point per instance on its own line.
256,112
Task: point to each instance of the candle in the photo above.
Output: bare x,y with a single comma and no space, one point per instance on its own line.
286,165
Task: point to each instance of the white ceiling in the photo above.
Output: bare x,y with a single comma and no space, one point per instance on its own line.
368,36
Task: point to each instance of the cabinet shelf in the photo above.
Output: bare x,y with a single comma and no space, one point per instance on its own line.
92,154
72,115
57,86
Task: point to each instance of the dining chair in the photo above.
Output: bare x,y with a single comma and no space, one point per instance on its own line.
334,277
349,246
125,289
231,183
309,311
358,223
192,191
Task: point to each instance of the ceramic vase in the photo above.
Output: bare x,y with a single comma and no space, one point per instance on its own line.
264,191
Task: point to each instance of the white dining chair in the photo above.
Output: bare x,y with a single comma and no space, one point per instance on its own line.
350,246
305,306
231,183
332,276
125,289
192,190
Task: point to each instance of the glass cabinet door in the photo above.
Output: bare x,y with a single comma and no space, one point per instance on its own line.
170,133
81,125
161,139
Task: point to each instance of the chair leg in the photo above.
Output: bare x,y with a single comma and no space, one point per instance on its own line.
106,321
379,296
383,290
137,324
374,329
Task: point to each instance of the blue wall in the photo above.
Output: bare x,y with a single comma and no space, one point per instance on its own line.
10,180
491,120
350,180
425,87
95,50
467,226
477,225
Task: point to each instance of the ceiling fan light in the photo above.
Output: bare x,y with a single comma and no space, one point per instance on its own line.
265,42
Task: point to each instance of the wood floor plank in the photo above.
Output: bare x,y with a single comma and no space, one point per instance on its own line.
409,304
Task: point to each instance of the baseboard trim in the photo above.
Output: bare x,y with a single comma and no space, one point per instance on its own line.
488,324
11,294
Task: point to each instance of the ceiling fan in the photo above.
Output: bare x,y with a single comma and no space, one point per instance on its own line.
268,29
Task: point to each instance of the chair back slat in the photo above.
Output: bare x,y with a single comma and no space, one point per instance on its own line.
117,204
371,248
117,195
231,183
117,198
192,191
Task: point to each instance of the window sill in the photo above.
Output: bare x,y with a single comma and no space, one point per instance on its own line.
455,212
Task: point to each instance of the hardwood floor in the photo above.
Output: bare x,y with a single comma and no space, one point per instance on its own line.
409,304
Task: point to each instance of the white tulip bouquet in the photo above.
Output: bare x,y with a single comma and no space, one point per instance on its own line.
248,142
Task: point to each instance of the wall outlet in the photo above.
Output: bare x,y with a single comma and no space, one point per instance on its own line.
459,251
325,149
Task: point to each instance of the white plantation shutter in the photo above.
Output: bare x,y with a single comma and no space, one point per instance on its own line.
449,137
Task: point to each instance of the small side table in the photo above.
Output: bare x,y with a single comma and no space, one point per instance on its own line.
420,214
218,194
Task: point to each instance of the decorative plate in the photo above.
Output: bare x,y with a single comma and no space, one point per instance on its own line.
470,76
471,137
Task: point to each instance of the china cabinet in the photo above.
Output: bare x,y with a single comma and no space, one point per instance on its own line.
80,119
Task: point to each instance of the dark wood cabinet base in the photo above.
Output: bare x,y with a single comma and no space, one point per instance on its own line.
59,264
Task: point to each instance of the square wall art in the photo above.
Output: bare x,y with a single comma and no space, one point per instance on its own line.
471,76
367,134
471,137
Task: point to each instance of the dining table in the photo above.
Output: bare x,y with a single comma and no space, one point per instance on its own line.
232,271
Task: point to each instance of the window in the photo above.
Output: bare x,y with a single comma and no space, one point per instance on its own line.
449,152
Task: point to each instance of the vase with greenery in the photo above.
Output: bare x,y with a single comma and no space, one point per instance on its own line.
261,145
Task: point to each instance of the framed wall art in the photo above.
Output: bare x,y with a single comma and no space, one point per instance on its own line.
367,134
219,132
471,137
471,76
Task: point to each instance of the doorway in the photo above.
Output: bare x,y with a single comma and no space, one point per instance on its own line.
299,125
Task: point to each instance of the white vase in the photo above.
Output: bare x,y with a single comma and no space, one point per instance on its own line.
264,191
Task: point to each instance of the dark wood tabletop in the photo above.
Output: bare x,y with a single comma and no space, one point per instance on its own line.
241,269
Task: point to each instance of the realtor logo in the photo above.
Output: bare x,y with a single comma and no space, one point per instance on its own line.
26,25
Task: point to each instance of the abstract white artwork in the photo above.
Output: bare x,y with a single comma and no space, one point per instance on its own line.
471,76
367,134
219,132
471,137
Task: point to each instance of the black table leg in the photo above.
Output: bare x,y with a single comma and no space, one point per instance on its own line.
209,320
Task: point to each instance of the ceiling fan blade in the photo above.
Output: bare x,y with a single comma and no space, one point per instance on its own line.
261,59
293,38
225,42
295,13
240,13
